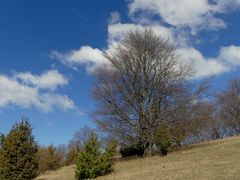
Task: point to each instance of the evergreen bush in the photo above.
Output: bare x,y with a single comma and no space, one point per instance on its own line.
18,153
92,162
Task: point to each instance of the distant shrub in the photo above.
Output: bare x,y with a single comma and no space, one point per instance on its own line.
18,153
71,156
163,139
49,158
92,162
134,150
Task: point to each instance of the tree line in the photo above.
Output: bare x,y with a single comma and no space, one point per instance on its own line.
147,103
21,158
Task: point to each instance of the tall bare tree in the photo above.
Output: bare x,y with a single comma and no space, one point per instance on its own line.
140,87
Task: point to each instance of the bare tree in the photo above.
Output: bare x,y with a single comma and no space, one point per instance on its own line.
199,123
140,86
229,107
80,137
76,144
187,121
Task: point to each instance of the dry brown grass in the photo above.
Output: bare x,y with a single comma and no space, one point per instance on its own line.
65,173
210,160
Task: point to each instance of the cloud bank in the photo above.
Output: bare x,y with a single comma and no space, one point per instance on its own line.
177,20
27,90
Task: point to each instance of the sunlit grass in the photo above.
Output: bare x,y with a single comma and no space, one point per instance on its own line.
210,160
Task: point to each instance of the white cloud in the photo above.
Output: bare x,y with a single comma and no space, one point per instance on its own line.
114,18
194,14
15,92
227,60
230,55
116,31
225,5
86,55
203,66
48,80
49,101
179,21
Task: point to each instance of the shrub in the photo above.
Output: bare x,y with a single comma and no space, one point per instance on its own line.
18,153
111,149
1,139
71,156
92,162
134,150
163,139
49,158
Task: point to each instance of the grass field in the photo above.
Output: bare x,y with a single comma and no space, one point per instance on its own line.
210,160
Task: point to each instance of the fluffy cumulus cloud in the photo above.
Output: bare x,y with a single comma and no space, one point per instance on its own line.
203,66
230,55
48,80
116,31
86,55
228,59
196,15
26,90
177,20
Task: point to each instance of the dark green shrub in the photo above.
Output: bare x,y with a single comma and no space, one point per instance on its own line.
92,162
134,150
1,139
111,149
163,139
18,154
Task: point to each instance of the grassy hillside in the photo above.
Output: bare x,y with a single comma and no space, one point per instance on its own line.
210,160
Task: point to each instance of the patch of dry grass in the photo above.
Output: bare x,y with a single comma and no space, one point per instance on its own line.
65,173
210,160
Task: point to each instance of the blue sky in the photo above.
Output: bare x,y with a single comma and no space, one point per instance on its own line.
50,48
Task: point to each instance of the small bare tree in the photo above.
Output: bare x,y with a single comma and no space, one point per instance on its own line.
229,104
139,88
77,143
196,122
80,137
